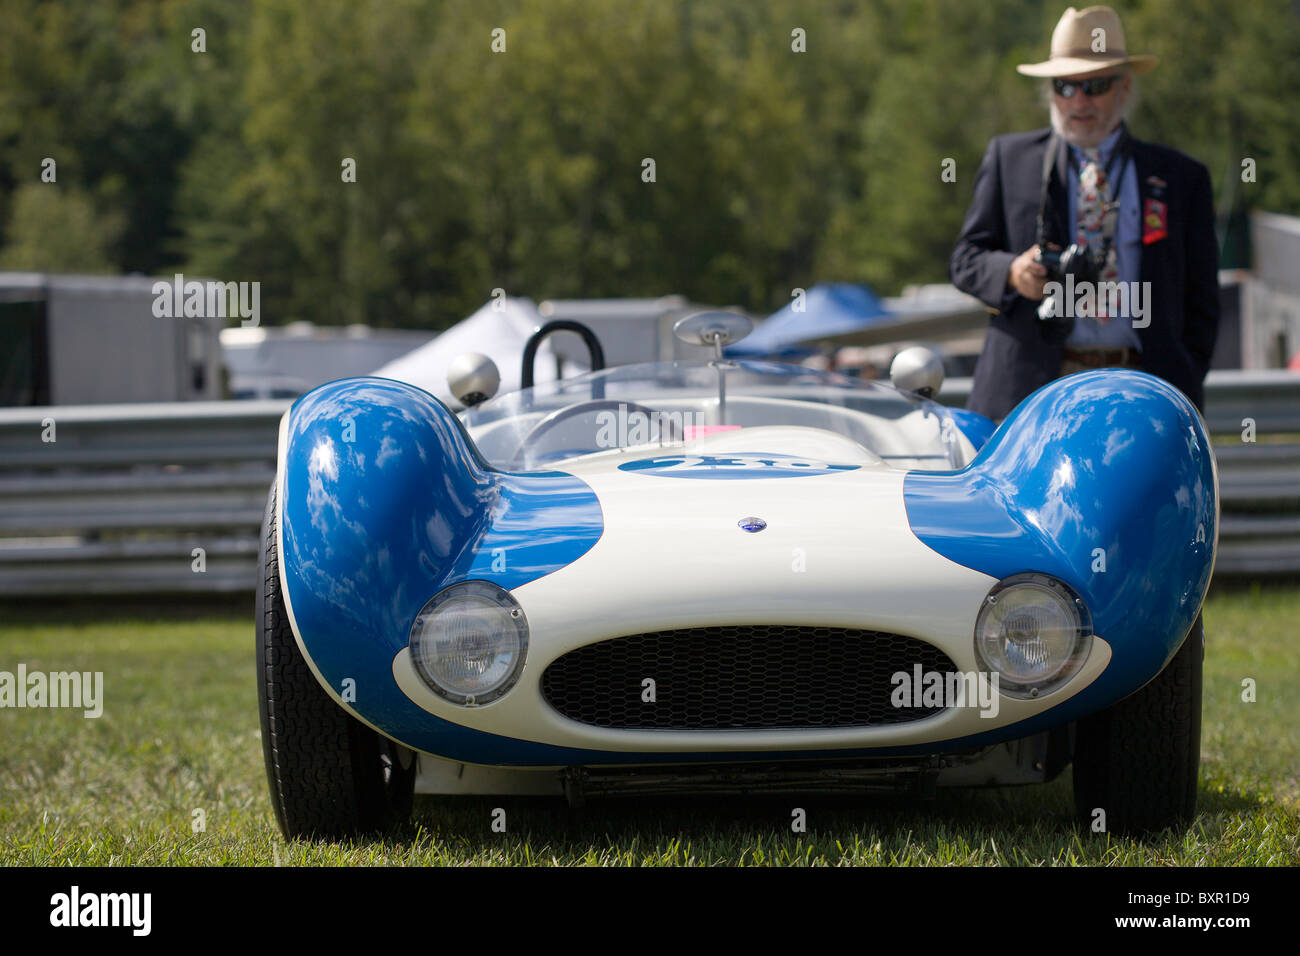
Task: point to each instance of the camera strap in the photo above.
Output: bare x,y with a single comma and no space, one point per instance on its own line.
1049,161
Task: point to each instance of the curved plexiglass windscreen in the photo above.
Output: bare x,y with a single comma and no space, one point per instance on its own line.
676,404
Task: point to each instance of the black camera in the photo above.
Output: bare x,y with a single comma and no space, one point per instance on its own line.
1073,260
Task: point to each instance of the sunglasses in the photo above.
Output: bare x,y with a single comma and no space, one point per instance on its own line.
1093,87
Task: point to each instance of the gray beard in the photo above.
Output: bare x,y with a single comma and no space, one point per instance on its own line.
1058,124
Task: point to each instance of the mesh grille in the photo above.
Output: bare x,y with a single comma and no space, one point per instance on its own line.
724,678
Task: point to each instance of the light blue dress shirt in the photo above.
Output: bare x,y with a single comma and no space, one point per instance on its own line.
1119,331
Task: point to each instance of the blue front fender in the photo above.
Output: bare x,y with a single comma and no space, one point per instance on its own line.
1105,480
384,501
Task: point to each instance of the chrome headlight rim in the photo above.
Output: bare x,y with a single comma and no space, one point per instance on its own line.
1070,665
421,632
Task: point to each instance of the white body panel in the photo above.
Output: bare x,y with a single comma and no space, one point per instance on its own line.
837,551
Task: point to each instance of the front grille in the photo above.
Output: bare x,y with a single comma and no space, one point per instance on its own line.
727,678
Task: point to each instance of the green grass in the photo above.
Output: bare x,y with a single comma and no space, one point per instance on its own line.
180,733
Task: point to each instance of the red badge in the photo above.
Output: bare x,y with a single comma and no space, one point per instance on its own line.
1155,221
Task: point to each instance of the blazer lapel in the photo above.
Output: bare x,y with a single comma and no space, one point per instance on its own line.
1152,187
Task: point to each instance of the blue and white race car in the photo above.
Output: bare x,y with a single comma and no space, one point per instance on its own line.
732,575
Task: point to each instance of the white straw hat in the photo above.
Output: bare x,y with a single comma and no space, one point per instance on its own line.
1085,41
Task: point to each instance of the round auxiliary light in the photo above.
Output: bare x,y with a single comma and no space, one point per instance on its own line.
1034,632
468,643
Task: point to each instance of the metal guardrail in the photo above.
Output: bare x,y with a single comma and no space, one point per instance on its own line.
1259,480
124,494
1271,398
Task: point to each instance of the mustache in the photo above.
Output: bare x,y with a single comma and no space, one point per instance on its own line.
1060,118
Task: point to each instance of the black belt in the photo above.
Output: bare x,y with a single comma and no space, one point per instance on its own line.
1104,358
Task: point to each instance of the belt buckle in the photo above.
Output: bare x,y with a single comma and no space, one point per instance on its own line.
1088,358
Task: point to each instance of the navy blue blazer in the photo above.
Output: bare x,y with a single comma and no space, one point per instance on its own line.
1021,352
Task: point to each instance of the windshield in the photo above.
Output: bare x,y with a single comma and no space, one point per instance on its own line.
675,404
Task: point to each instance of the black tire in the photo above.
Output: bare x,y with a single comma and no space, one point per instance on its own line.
330,775
1138,760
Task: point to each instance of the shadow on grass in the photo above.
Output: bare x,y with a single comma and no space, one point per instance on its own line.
656,823
1229,800
1016,825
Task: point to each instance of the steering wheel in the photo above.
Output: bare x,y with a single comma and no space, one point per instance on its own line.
561,415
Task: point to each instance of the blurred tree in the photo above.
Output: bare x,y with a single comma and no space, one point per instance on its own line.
948,84
56,228
265,197
99,86
792,141
1227,89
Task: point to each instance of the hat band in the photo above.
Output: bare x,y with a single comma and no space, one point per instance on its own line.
1087,53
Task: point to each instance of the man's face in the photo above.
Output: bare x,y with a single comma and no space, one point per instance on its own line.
1084,120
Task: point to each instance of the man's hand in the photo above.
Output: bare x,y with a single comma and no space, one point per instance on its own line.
1027,276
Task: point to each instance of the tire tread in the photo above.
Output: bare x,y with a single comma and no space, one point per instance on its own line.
321,762
1139,759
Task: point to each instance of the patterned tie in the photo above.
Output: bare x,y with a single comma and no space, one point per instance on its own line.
1096,223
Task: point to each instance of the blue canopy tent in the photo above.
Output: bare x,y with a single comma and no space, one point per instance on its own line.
828,309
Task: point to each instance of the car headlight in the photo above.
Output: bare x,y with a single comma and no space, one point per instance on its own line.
1034,632
469,641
